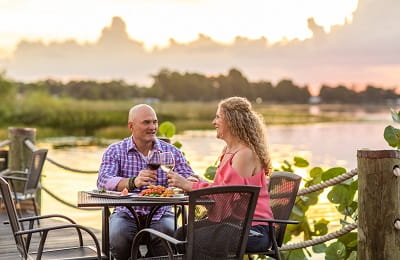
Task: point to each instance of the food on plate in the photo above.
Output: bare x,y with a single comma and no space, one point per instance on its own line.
157,191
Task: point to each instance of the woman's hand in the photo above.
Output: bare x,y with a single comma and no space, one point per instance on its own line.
176,180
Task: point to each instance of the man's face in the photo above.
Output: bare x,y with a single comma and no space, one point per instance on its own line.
144,125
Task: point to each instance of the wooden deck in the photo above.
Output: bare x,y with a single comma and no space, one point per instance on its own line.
56,238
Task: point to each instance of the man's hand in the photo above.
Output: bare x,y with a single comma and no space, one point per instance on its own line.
145,178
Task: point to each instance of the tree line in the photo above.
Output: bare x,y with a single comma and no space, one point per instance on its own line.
174,86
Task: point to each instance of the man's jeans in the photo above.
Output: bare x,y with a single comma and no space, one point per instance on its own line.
123,229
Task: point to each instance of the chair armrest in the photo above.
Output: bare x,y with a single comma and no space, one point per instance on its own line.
13,172
163,237
281,221
45,231
47,216
15,178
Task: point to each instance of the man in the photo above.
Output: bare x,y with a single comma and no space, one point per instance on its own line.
124,165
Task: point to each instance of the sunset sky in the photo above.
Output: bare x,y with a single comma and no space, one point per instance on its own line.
312,42
154,22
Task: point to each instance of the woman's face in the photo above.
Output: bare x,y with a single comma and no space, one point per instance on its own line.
220,124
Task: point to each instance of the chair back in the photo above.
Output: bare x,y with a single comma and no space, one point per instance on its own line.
12,217
283,188
219,221
35,170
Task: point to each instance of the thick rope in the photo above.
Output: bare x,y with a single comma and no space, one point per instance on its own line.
68,168
63,201
319,240
5,143
328,183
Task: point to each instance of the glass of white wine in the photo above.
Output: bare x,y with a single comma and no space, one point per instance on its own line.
167,161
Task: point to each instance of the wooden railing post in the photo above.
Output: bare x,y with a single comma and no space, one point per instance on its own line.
378,204
19,154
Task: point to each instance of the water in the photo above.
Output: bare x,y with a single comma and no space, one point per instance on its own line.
324,145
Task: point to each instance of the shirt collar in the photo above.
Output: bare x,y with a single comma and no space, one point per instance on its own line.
132,146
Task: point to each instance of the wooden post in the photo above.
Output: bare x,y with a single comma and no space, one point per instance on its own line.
19,155
378,204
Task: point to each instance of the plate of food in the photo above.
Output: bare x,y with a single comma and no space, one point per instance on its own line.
110,194
159,192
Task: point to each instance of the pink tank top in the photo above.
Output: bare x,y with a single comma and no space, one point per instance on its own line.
226,175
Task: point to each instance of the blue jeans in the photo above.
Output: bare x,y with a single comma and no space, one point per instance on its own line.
259,243
123,229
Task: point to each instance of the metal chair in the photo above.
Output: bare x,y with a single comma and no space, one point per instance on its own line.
283,188
23,237
29,178
222,235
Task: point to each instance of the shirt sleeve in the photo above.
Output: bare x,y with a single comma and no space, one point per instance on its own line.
110,167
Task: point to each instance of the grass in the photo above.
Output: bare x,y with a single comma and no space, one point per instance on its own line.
108,119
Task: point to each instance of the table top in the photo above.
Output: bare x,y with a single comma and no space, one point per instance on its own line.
87,200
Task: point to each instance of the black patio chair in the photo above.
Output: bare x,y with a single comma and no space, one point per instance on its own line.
283,188
29,179
23,237
221,235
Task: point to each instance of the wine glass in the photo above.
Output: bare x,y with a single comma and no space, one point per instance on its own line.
154,161
167,161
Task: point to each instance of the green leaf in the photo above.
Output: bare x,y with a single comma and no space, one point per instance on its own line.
392,136
332,173
349,239
352,256
167,129
321,227
316,171
297,211
300,162
340,194
395,115
177,144
210,172
320,248
297,254
335,251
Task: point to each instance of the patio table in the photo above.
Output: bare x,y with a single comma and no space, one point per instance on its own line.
87,200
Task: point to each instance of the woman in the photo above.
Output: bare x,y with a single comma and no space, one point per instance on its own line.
244,161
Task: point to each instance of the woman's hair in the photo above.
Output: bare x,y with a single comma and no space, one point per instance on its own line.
248,126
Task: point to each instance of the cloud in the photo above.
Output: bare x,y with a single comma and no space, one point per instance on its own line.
364,51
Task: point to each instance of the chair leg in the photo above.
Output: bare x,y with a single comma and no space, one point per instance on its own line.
19,212
274,243
35,209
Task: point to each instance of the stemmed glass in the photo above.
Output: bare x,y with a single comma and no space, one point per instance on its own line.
167,161
154,161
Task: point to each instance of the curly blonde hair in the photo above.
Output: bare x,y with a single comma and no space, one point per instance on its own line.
248,126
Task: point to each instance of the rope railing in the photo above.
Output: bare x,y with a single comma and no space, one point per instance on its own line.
4,143
69,168
328,183
321,239
32,147
63,201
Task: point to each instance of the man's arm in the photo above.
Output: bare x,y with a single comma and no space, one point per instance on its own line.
109,169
